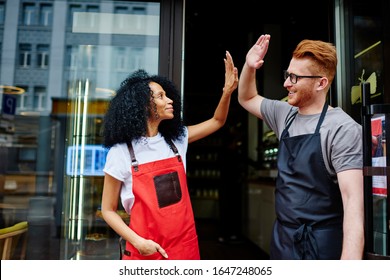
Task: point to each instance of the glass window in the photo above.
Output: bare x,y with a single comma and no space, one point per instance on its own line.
368,66
29,14
121,59
25,55
71,57
136,58
119,21
2,13
89,60
89,57
92,16
42,56
139,10
24,102
121,10
46,15
39,98
73,9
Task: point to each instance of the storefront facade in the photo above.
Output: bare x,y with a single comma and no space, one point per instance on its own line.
62,60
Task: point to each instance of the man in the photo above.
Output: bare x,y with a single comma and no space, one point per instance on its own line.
319,189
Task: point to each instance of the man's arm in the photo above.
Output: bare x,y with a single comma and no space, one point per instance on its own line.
351,187
248,96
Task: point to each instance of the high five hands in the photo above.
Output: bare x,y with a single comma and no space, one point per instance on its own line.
255,56
231,74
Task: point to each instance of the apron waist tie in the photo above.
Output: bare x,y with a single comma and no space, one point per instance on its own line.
305,245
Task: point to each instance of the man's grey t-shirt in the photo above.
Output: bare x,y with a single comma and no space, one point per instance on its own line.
341,136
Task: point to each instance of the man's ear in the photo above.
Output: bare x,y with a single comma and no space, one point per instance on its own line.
323,83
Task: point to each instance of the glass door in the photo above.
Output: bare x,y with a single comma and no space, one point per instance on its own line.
106,41
360,35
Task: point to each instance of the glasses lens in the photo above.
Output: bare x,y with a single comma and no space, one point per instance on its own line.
285,74
293,78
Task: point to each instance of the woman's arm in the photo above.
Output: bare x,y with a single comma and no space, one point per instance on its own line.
110,199
203,129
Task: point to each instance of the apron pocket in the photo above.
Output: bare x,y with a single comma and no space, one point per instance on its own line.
168,189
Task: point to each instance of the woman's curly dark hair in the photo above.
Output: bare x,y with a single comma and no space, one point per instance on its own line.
129,110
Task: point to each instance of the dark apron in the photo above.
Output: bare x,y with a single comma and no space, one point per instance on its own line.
162,209
308,203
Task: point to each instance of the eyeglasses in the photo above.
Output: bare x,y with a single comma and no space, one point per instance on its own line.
294,78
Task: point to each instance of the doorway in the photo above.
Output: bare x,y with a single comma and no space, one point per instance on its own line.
209,33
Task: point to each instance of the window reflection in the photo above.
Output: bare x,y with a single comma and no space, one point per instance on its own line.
46,15
59,51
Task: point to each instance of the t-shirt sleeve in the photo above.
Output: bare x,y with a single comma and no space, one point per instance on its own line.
117,163
347,151
274,114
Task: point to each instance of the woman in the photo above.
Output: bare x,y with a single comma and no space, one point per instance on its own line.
145,165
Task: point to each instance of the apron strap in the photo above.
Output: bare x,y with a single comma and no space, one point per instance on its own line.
289,119
134,161
174,149
322,117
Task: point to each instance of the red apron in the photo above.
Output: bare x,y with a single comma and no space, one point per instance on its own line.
165,214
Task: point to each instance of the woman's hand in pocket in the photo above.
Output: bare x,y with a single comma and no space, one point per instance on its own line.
148,247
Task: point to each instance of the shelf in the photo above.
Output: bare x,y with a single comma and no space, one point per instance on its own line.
17,145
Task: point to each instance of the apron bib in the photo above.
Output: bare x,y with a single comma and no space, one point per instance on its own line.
308,203
162,209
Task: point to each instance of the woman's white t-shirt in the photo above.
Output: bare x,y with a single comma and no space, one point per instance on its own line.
147,149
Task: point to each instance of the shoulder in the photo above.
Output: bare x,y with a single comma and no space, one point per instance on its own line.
342,132
118,153
277,104
343,136
118,149
276,108
275,112
118,162
339,118
182,143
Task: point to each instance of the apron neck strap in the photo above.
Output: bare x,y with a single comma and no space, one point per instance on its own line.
322,117
134,162
291,117
174,149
